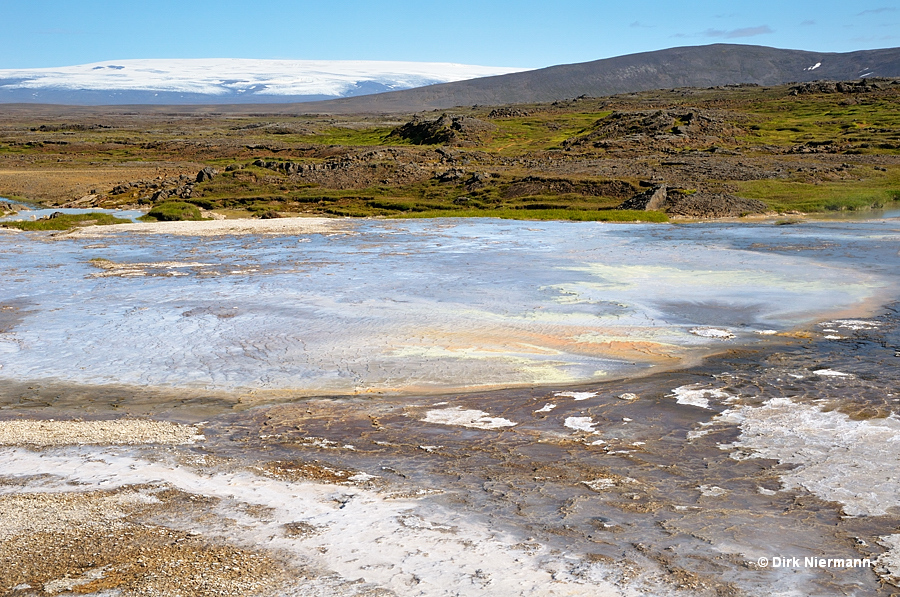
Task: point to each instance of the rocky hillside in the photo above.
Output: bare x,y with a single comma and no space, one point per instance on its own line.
711,152
693,66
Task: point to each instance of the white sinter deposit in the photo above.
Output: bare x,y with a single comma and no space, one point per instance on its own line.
393,542
888,564
696,395
476,419
585,424
836,458
577,396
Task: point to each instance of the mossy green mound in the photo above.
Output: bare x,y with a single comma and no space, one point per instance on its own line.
67,221
173,211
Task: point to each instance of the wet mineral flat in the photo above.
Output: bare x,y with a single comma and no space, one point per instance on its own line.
453,408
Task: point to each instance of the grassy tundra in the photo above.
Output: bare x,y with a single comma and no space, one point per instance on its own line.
796,149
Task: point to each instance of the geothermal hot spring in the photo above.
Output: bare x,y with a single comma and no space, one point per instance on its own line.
445,407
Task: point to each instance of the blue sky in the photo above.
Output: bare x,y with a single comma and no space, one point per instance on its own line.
527,33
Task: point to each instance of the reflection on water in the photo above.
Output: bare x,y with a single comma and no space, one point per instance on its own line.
889,210
30,212
423,306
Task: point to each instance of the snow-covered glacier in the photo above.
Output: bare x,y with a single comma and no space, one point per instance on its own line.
226,80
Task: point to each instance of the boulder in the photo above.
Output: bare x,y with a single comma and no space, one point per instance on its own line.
160,195
677,202
507,113
206,174
452,175
712,205
652,199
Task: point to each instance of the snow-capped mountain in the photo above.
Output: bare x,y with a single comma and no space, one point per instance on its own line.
223,81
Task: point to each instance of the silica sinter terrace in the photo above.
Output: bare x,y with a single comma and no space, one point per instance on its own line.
180,374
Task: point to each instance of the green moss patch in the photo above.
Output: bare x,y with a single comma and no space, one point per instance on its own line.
173,211
67,221
780,195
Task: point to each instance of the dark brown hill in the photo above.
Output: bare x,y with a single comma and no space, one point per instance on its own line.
693,66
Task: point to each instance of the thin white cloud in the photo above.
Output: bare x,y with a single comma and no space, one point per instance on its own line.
639,25
807,23
875,11
743,32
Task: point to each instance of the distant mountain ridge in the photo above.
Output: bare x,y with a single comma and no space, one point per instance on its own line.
403,87
225,81
690,66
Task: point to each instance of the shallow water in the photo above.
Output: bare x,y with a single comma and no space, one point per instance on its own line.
889,210
423,306
30,212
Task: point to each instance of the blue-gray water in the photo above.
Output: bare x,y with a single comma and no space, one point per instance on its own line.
421,306
30,212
